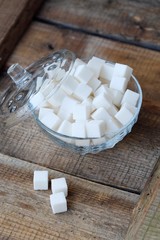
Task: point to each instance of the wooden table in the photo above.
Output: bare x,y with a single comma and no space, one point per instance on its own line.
104,188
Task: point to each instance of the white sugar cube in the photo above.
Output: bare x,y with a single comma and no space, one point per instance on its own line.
81,112
101,100
59,185
94,83
69,84
77,63
66,108
58,202
65,128
131,108
82,142
39,82
51,120
95,64
83,73
130,97
102,89
122,70
83,91
95,128
119,83
98,141
116,96
79,129
48,89
124,115
43,111
57,98
88,102
106,72
111,123
40,180
37,100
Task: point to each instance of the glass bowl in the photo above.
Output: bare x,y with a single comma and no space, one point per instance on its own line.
95,145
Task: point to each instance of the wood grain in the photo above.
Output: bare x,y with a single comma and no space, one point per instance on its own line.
145,224
129,21
131,162
15,17
94,211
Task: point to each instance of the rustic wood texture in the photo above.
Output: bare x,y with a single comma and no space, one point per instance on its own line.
146,217
94,211
130,21
129,164
15,17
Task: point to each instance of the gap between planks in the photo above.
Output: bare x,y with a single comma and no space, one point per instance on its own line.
102,35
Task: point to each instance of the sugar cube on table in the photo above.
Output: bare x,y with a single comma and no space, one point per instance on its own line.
106,72
81,111
95,64
122,70
78,129
69,84
59,185
51,120
83,73
58,202
124,115
40,180
83,91
130,97
95,128
119,83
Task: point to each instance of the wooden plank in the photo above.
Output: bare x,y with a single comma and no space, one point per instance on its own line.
146,218
131,162
94,211
15,16
129,21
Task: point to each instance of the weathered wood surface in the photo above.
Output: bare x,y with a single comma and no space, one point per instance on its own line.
15,17
130,163
94,211
146,217
129,21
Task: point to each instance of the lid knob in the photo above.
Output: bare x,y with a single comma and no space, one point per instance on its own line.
19,75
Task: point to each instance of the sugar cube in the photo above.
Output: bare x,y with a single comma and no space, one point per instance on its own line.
40,180
104,101
124,115
106,72
122,70
51,120
83,73
116,96
95,128
43,111
59,185
37,99
69,84
57,98
130,97
81,111
66,108
94,83
95,64
78,129
65,128
119,83
77,63
58,202
83,91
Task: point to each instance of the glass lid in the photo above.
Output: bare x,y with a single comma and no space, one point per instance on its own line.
19,88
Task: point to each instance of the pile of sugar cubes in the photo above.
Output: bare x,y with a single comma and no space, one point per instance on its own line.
92,101
59,190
